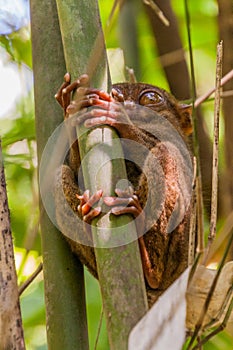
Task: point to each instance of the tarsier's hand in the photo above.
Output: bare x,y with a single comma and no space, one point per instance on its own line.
106,108
84,95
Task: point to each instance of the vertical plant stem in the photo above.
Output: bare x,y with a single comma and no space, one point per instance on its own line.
214,196
119,268
200,211
63,273
11,330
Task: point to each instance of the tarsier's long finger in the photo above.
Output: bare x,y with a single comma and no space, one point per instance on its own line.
129,194
86,202
89,123
76,106
64,92
133,208
98,116
125,193
83,198
71,87
102,94
127,203
123,205
82,81
83,102
112,201
125,210
58,95
93,213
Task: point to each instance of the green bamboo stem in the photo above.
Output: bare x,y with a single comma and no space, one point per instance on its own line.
119,268
63,273
120,271
128,35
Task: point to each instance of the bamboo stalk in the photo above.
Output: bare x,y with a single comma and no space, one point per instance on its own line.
63,273
120,271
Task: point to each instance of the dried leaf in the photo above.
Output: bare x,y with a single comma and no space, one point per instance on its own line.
163,326
199,289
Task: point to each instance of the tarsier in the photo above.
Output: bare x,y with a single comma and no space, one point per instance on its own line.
164,254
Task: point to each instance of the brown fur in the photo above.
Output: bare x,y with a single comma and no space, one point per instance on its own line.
168,252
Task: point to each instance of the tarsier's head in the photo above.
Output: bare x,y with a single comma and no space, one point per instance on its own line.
158,100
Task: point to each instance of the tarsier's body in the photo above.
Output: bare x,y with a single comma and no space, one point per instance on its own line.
164,254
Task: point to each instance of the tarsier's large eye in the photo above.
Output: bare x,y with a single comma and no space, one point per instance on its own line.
150,98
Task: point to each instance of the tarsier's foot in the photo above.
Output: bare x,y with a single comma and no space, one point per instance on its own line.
107,109
127,203
86,209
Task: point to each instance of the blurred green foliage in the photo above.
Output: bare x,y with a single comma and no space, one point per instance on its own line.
18,138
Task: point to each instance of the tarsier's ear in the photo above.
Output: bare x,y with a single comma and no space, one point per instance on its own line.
186,118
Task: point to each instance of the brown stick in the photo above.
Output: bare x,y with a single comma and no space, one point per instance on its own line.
11,330
30,279
204,97
214,196
157,11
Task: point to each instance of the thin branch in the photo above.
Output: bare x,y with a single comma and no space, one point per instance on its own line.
220,328
214,196
188,25
157,11
226,305
200,215
11,329
212,289
223,234
204,97
200,210
214,191
99,328
193,219
30,279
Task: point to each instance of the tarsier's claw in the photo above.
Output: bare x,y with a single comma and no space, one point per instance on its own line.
67,77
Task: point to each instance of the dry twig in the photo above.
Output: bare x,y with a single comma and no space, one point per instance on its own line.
204,97
214,196
30,279
157,11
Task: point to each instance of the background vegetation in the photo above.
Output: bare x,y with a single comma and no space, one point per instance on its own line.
18,138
